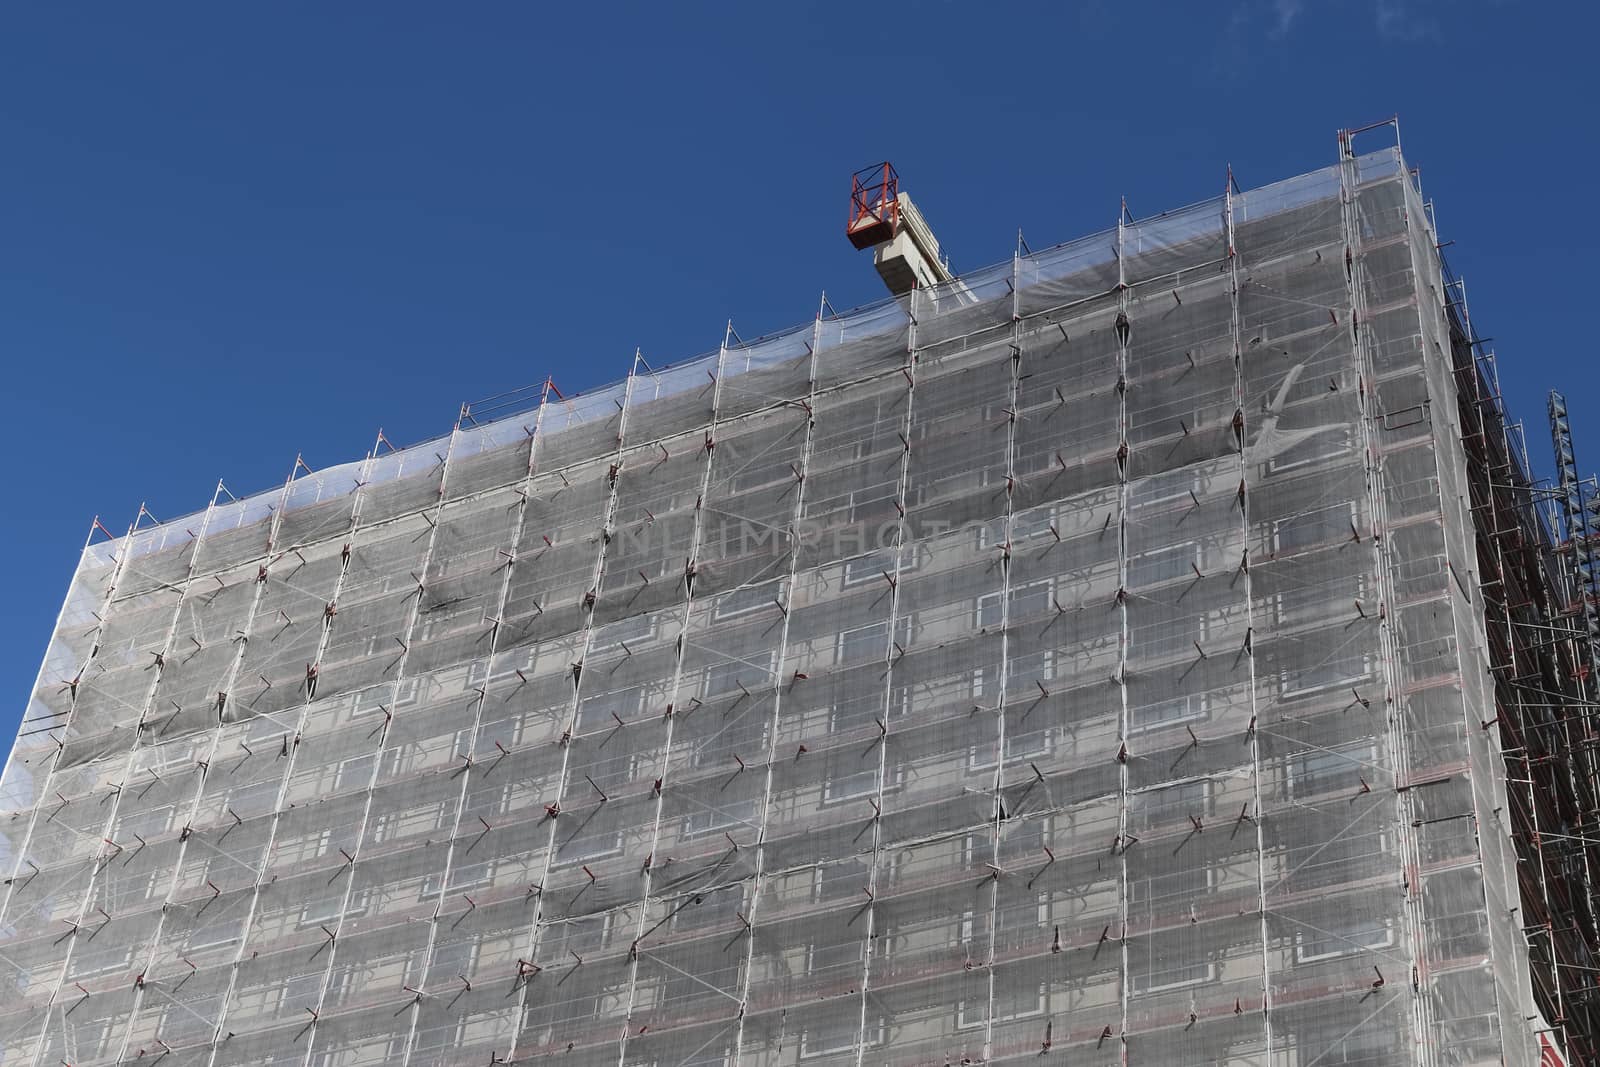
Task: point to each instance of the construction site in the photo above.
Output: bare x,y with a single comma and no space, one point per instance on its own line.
1153,649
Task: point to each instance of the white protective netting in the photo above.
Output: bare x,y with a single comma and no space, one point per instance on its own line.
1062,661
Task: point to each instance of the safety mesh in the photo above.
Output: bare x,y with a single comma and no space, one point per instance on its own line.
1074,658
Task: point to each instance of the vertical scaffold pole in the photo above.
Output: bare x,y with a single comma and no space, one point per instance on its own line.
537,924
685,622
1236,332
886,707
786,594
523,489
259,883
1124,637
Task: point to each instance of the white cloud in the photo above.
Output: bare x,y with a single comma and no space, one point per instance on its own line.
1403,20
1285,12
1394,20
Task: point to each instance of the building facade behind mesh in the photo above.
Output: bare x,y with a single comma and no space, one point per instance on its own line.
1080,660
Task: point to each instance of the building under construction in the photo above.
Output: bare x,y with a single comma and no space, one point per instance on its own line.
1150,650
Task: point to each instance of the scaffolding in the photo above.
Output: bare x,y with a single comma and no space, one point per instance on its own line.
1152,649
1532,552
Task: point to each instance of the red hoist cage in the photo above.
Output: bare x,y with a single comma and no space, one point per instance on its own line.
874,205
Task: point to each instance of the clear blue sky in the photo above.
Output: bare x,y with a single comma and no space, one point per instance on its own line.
230,233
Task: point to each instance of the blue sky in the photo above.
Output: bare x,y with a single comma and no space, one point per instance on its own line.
232,233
